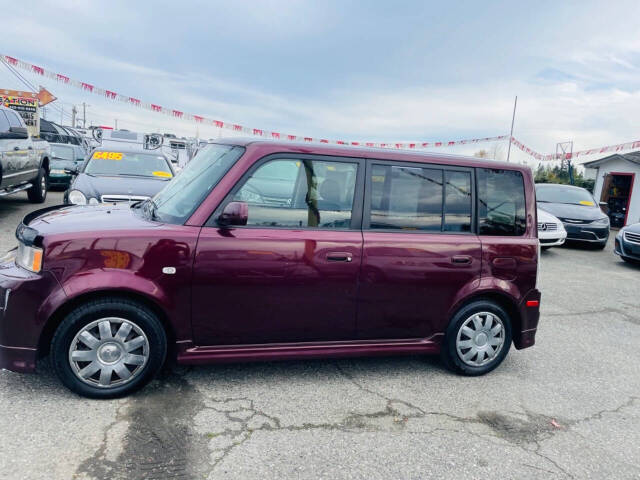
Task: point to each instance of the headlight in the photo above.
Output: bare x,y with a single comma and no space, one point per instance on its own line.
29,258
77,197
602,221
93,201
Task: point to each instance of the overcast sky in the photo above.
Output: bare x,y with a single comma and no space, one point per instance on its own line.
380,71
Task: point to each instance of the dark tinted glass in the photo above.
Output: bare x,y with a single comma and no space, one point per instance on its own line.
300,194
457,204
501,202
406,198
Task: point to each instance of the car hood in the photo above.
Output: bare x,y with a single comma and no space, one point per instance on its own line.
96,186
546,217
635,228
87,218
577,212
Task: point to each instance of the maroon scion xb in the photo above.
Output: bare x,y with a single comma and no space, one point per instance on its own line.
261,250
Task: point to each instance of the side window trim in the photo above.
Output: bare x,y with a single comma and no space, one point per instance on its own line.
358,201
366,212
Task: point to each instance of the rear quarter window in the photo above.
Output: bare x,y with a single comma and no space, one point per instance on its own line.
501,202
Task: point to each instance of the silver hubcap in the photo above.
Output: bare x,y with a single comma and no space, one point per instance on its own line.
480,339
44,184
109,352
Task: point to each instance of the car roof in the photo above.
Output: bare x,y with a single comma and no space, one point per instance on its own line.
369,152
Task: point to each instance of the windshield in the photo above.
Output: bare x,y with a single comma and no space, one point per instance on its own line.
563,194
128,163
65,153
177,201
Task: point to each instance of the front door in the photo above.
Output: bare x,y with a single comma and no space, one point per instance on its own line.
420,253
290,274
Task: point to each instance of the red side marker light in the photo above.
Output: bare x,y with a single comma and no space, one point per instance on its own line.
533,303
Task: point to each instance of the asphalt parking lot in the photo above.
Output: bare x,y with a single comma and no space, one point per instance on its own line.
567,408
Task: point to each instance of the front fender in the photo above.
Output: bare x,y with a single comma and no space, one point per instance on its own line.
114,281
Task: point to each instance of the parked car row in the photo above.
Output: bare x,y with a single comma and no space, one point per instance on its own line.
568,213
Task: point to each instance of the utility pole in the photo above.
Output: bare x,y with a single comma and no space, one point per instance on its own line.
513,119
74,111
116,123
84,115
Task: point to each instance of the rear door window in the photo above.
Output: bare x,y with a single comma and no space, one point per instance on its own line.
406,198
457,203
501,202
420,198
14,121
4,123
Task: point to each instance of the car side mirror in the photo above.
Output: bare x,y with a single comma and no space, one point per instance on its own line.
603,204
234,213
71,170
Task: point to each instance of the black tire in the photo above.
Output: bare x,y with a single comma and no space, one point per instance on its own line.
449,352
116,307
38,192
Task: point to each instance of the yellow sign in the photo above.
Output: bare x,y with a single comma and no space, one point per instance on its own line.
162,174
586,202
108,155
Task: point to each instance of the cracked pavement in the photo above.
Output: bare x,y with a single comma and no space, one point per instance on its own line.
567,408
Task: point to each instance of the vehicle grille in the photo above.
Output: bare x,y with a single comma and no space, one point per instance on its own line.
632,237
548,227
122,198
573,221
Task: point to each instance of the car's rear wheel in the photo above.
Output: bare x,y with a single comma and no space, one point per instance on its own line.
108,348
477,339
38,191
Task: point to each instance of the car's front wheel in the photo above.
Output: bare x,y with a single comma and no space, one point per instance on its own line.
108,348
477,339
38,191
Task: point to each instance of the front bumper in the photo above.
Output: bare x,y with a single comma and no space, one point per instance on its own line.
22,297
59,179
626,249
587,232
551,239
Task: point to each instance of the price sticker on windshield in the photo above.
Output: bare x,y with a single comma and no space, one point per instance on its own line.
162,174
587,202
108,155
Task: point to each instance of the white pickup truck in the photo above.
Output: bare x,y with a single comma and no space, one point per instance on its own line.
24,161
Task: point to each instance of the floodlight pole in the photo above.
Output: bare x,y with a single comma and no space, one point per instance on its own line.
513,119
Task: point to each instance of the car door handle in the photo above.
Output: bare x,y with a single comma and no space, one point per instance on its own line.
461,260
16,148
339,257
29,148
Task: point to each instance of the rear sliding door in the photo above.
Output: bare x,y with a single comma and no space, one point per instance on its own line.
419,252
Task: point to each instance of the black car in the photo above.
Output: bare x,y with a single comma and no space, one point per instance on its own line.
628,243
577,210
64,158
111,175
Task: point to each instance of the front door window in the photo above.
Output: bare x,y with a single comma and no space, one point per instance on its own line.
302,193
